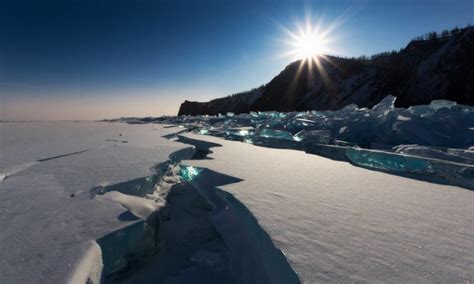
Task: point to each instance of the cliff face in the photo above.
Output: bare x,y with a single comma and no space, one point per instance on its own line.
424,70
238,103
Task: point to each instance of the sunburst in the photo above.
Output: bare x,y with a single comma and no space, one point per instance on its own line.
310,43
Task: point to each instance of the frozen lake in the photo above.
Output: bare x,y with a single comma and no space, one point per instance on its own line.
48,219
340,223
62,221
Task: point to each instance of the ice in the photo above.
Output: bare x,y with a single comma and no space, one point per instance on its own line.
188,173
436,127
248,140
314,136
384,107
50,218
90,266
140,207
388,161
337,223
154,209
437,104
465,156
277,134
450,166
299,136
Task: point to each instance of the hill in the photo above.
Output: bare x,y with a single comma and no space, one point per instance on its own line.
426,69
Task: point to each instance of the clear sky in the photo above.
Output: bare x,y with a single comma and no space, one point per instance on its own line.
81,59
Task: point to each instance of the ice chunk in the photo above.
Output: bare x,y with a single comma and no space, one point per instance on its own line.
350,108
313,136
387,161
385,106
437,104
188,173
278,134
403,118
248,140
244,131
465,156
308,121
299,136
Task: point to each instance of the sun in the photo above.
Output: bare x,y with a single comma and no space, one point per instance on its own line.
311,46
309,40
308,44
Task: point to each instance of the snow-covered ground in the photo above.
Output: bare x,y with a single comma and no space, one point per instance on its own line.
49,217
340,223
105,202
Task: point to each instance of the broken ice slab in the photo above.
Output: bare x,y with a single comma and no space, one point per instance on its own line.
136,187
465,156
277,134
244,131
299,136
297,124
455,173
274,142
239,134
387,161
248,140
421,110
188,173
437,104
384,106
335,152
313,136
307,121
241,131
436,170
438,130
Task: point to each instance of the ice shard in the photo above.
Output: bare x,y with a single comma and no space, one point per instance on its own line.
313,136
387,161
188,173
277,134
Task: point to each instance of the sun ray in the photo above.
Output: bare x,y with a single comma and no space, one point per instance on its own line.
291,88
310,43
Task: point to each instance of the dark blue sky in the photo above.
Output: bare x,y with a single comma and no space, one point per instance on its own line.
91,59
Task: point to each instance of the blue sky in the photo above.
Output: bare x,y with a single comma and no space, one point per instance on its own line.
86,59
